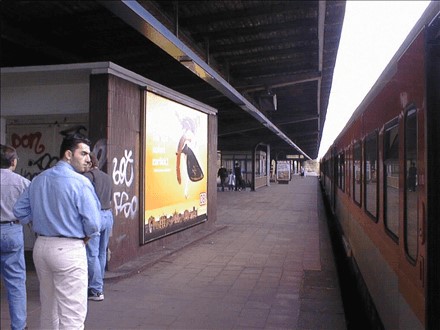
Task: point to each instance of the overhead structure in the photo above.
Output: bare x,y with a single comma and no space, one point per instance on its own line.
267,66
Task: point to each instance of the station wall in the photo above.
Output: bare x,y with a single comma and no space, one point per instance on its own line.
105,102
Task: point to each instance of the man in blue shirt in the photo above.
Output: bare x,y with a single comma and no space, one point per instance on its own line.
64,210
13,266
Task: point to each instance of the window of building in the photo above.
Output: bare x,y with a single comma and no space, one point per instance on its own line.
391,178
357,172
411,219
370,175
260,163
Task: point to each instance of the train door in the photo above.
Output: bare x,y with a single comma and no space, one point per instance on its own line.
412,200
410,172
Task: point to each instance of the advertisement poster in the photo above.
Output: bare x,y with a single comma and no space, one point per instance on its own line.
176,162
283,170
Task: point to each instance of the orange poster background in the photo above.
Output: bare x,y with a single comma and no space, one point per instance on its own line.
166,121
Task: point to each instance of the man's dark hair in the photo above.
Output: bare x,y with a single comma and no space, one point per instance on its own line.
7,155
70,142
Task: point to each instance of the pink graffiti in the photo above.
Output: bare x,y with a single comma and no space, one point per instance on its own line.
30,141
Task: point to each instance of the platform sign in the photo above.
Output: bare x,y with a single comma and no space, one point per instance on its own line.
175,167
283,171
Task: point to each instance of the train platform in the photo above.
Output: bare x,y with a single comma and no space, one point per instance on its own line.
267,264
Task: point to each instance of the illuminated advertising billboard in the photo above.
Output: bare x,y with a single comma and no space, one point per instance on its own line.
283,170
175,167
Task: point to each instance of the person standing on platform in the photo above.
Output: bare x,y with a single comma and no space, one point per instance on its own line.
231,180
64,210
223,174
13,266
238,178
97,245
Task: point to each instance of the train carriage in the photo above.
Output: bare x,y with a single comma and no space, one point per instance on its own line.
380,178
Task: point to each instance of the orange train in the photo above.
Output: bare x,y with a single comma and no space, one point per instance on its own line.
381,178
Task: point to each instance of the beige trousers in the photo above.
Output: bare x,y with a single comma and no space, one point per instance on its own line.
61,265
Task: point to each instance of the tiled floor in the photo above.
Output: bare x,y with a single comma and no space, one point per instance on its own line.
268,266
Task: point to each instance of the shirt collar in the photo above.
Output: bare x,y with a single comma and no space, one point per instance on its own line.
63,163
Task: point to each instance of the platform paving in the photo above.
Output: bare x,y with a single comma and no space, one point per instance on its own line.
267,264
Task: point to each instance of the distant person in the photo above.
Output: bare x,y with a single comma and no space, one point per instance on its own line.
412,177
97,245
64,210
13,266
223,175
238,177
231,180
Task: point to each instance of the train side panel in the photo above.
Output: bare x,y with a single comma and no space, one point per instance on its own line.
375,176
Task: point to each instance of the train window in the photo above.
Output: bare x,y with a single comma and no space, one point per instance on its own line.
341,171
411,221
348,168
370,174
391,178
357,172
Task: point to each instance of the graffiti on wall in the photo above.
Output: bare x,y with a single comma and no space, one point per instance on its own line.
100,150
30,141
38,146
123,177
35,147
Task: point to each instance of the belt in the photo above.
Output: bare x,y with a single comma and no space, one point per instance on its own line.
9,222
61,237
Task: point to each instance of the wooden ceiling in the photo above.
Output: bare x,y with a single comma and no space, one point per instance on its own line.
240,57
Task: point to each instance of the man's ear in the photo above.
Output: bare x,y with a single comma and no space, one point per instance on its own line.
14,163
68,154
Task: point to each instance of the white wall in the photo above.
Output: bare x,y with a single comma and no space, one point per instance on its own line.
45,99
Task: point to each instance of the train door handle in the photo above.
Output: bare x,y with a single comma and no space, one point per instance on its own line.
422,229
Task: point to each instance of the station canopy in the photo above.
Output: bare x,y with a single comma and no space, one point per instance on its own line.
266,66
